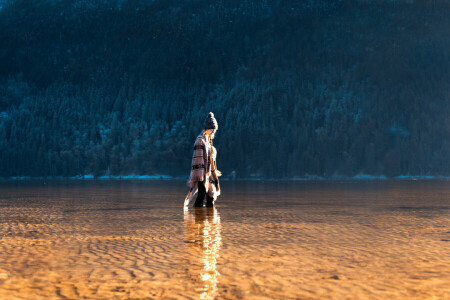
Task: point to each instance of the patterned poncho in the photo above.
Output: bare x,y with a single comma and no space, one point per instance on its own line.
204,154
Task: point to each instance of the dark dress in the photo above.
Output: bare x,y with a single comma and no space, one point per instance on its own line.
201,196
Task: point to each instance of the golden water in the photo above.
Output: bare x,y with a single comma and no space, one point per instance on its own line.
263,240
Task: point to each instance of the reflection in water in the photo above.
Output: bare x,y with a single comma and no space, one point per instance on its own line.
317,240
203,241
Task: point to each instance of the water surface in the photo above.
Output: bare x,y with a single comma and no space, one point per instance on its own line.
263,240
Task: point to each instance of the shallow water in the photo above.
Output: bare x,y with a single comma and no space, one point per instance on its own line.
263,240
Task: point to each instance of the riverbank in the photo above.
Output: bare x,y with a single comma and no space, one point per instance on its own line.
362,177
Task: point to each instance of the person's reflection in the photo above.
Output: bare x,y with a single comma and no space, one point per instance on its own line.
203,241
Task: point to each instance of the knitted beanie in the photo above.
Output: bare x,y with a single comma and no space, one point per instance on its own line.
211,122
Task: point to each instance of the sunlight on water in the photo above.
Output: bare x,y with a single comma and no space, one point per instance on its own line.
203,240
263,240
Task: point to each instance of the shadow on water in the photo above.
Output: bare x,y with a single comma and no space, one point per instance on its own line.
203,241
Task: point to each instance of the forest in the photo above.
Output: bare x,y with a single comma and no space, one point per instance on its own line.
304,88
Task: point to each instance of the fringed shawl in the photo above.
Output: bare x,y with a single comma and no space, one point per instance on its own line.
201,165
200,161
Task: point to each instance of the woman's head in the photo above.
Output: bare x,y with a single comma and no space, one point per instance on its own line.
211,122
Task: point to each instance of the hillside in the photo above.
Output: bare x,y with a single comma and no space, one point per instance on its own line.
298,87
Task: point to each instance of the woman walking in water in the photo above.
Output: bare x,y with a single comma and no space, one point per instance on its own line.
204,173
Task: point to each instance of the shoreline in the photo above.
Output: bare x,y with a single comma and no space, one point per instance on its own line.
171,178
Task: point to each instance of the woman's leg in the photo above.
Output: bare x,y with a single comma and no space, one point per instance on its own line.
201,194
209,201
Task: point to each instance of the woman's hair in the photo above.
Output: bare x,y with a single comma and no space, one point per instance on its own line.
209,136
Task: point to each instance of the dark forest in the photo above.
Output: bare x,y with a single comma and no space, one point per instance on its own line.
299,88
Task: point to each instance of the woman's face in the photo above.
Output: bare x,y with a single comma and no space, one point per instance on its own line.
211,132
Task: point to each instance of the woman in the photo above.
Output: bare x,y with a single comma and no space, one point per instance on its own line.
204,174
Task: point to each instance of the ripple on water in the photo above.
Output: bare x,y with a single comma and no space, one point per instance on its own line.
287,242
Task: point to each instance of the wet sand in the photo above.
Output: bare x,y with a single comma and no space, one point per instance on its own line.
263,240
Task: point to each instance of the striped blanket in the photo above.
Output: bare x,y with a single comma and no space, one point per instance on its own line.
201,165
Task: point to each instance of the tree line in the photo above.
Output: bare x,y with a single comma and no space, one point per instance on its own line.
299,88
